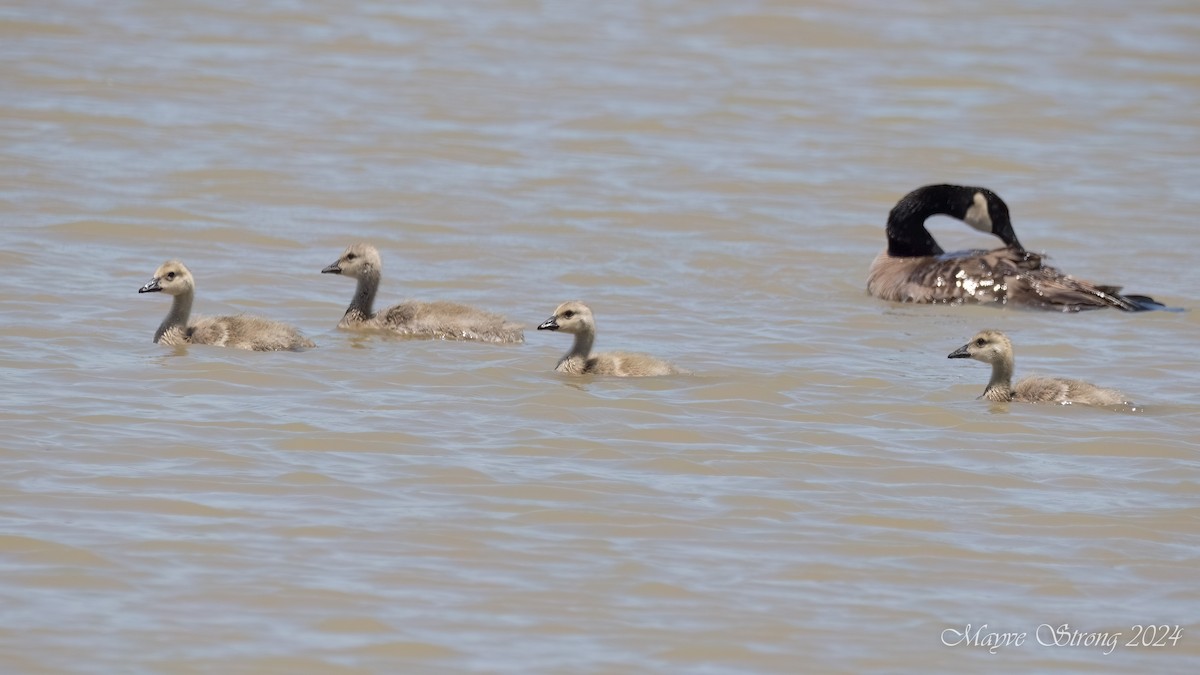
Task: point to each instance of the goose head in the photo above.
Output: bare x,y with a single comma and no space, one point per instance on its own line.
571,317
988,346
172,278
358,261
988,213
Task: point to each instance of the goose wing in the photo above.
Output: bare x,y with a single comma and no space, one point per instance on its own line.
962,276
244,331
1045,287
1005,275
448,321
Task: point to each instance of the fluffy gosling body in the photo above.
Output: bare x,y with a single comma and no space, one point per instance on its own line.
239,332
430,320
576,318
994,347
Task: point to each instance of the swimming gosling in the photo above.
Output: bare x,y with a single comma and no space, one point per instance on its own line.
576,318
431,320
914,268
994,347
239,332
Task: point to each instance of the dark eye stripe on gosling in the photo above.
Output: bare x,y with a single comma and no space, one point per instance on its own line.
576,318
994,347
434,320
914,268
239,332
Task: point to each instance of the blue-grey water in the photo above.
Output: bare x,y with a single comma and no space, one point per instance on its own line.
824,494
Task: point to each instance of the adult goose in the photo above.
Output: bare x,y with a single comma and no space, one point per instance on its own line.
436,320
239,331
994,347
575,318
914,268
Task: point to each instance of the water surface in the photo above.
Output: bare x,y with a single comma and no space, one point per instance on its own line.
825,494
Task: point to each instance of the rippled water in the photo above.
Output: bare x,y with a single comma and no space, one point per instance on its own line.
825,494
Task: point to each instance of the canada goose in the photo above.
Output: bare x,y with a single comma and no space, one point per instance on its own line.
915,269
576,318
240,331
994,347
437,320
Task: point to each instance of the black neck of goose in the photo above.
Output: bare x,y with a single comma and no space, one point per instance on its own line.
907,236
363,303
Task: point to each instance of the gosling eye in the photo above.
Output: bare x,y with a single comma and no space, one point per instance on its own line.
350,256
170,276
568,314
980,342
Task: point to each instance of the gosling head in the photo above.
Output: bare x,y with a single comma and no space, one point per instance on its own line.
570,317
989,346
988,213
172,278
358,260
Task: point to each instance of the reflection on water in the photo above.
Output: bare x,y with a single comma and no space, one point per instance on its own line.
825,493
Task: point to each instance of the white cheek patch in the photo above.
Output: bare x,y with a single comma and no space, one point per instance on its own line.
978,216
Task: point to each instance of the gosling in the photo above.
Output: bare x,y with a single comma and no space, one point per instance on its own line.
430,320
576,318
994,347
239,332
